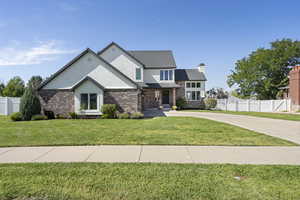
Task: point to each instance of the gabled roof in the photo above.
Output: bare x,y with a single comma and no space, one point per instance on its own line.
155,59
88,78
115,44
77,58
189,75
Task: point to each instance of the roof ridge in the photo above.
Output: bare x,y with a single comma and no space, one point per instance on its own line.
147,50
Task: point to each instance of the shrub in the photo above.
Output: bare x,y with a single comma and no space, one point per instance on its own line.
39,117
174,107
105,116
30,104
181,103
137,115
60,116
17,116
109,110
210,103
202,104
73,115
123,116
49,114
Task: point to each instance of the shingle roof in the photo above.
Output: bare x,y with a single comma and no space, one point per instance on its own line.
189,75
155,59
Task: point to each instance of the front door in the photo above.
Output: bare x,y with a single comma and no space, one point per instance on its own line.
165,97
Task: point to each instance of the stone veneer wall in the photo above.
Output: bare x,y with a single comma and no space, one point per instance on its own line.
59,101
126,100
180,93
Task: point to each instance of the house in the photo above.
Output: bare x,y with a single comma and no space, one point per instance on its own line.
134,80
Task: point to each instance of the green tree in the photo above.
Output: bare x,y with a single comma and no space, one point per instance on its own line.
30,104
14,88
264,71
34,82
2,86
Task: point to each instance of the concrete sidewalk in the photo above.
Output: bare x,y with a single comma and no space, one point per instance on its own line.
154,154
284,129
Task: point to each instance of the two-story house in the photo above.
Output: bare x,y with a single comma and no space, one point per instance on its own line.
133,80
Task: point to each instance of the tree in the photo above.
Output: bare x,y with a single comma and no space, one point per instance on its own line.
217,93
30,104
264,71
34,82
14,88
2,86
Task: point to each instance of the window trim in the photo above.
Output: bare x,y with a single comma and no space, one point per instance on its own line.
197,91
89,102
166,73
136,72
191,95
193,82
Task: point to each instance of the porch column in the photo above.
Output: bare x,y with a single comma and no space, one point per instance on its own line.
174,96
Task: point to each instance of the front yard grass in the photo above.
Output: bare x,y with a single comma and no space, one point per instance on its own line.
164,130
284,116
148,181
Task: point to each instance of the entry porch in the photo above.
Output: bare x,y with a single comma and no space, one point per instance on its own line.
153,98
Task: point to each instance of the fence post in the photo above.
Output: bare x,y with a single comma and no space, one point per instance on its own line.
6,106
226,102
248,105
272,105
236,106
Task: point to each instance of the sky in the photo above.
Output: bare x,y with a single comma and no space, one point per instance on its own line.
39,37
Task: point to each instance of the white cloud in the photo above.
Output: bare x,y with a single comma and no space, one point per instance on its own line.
42,52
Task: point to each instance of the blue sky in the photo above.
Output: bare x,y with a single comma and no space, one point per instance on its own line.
38,37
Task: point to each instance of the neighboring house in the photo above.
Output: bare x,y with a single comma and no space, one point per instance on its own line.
134,80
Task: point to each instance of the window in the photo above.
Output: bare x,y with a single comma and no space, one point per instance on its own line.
191,84
88,101
193,95
161,75
197,95
193,90
166,75
138,74
84,101
93,101
170,74
189,95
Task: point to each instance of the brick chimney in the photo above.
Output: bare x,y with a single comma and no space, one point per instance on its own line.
294,86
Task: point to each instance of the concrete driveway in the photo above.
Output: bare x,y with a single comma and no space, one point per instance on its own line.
152,154
284,129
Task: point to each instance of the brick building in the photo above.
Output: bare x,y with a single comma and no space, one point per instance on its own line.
294,88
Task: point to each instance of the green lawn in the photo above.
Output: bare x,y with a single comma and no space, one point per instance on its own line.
148,181
164,130
284,116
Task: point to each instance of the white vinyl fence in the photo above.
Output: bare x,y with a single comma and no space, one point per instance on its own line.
255,105
9,105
